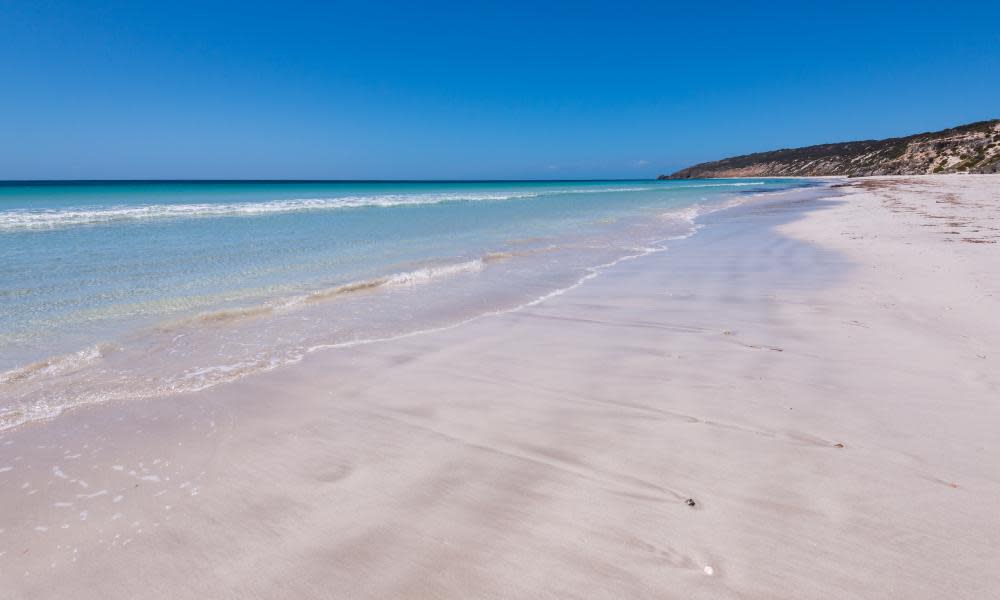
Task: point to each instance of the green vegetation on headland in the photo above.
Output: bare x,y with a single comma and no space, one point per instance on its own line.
972,148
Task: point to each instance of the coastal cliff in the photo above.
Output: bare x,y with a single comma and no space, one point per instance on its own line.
972,148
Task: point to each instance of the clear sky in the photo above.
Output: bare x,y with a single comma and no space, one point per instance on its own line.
175,89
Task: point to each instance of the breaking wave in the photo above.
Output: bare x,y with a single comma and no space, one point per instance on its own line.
35,219
416,276
58,365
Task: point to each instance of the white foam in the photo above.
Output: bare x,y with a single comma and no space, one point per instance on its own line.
33,219
58,365
708,185
429,273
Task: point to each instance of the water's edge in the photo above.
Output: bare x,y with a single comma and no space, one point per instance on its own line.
49,387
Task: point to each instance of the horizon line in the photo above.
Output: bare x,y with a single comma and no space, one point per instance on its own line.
100,181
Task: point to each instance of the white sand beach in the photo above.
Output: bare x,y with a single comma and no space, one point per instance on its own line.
820,376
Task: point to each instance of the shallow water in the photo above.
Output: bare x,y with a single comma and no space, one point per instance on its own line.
118,290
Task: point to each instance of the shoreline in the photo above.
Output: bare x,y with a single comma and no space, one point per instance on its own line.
45,387
550,452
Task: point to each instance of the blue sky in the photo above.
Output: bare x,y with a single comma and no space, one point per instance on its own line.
362,90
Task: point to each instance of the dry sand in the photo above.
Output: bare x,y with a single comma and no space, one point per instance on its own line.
821,376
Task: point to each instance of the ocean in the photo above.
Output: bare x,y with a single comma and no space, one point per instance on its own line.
119,290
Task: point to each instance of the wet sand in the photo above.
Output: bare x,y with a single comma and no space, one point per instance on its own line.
819,375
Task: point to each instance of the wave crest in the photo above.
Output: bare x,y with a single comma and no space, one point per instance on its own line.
39,219
58,365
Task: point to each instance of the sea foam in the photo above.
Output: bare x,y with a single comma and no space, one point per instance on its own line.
34,219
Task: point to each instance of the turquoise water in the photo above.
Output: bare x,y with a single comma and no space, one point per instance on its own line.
182,285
